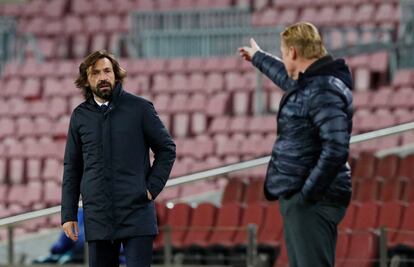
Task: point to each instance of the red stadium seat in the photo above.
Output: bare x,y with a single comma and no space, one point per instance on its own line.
229,215
80,45
234,191
368,190
407,224
161,83
350,216
53,170
342,248
52,193
16,171
179,219
181,125
214,82
367,216
203,219
391,216
253,214
287,16
391,190
362,250
254,191
99,41
406,170
387,166
271,233
365,166
73,24
402,78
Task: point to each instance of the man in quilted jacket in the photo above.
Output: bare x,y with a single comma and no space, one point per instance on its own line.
308,171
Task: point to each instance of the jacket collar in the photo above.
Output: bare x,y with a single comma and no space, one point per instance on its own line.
313,69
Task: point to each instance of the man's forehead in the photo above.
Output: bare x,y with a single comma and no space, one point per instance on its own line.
101,63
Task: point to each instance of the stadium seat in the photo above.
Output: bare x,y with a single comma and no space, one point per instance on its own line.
402,98
387,166
234,191
99,41
342,248
367,216
350,216
368,190
214,82
270,236
363,250
80,45
52,170
179,219
282,260
365,166
254,191
407,224
405,170
392,189
229,216
287,16
391,216
403,78
254,213
73,25
203,220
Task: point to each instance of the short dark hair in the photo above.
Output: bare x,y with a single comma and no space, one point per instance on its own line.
82,80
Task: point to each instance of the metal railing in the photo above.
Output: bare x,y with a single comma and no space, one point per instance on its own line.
224,41
189,19
11,222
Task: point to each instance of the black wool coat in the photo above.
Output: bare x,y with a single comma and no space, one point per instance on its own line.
107,161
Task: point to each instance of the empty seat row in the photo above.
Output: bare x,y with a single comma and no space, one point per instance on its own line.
329,15
368,166
206,230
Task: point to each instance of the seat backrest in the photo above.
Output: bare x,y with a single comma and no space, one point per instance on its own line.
234,191
254,192
363,250
229,215
368,218
179,216
204,215
253,214
350,215
272,228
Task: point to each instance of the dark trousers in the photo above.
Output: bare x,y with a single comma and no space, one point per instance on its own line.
105,253
310,231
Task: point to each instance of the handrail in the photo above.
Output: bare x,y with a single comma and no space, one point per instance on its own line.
16,219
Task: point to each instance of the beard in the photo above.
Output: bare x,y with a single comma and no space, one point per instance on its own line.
103,90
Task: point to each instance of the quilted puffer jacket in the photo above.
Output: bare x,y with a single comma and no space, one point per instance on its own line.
314,128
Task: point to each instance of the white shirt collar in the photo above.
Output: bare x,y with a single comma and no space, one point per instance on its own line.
100,104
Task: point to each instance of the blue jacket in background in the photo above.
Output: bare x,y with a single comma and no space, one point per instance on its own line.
64,244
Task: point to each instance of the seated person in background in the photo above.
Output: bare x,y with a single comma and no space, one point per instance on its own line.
64,250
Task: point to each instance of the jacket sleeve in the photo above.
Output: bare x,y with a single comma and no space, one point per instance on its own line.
163,147
327,113
274,69
72,173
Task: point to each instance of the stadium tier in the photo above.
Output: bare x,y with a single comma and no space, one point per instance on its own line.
209,104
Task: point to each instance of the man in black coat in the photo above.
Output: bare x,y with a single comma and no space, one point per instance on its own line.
107,161
308,170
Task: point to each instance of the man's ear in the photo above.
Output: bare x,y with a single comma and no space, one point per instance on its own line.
293,52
